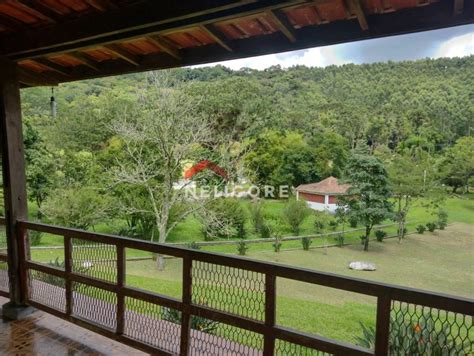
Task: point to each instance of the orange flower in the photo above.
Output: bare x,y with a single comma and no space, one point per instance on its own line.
417,328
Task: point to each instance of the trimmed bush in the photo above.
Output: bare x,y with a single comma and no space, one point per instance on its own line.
431,226
306,242
265,230
421,229
339,240
380,235
333,224
353,222
295,212
442,219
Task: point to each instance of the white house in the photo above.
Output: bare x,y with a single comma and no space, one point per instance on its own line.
322,196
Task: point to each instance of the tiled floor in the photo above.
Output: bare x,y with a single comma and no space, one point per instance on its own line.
44,334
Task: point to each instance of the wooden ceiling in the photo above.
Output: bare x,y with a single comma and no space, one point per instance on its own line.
57,41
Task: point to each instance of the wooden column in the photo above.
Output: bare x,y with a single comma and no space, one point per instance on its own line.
14,185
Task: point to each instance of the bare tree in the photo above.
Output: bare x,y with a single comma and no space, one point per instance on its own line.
159,137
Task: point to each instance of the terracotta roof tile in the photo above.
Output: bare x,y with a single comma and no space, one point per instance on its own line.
329,185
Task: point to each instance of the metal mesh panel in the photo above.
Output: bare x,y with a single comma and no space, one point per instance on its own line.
94,259
229,289
420,330
285,348
47,289
212,338
94,304
153,324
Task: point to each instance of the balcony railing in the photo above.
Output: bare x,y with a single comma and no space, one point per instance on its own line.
227,306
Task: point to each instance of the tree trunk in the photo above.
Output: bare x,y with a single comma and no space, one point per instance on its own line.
366,241
160,259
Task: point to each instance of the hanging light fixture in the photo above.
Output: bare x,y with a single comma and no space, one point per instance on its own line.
52,104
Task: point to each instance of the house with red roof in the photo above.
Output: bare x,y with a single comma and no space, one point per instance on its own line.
322,196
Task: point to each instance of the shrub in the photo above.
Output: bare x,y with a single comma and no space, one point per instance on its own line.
405,230
420,229
193,246
277,243
225,218
265,230
431,226
306,242
242,247
339,240
380,235
35,237
295,212
318,226
424,337
256,215
333,224
197,322
442,219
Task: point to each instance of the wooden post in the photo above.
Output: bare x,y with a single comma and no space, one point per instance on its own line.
187,300
382,326
270,314
14,185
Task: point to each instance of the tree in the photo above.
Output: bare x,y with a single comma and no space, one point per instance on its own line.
368,196
405,186
78,208
458,165
160,135
294,213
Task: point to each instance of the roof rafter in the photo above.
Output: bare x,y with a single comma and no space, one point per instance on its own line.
216,35
123,53
357,9
53,66
101,5
37,9
165,45
85,60
283,24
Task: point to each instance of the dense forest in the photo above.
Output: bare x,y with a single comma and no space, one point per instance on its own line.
292,126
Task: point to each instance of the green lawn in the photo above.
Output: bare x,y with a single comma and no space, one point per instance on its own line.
440,261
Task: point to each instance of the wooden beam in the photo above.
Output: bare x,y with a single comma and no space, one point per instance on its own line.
122,53
33,79
458,7
215,34
85,60
357,9
283,24
14,182
37,9
149,17
165,45
53,66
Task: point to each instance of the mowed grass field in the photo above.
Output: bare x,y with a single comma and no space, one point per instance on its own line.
439,261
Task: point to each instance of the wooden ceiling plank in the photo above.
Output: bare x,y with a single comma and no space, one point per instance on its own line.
217,36
283,24
53,66
149,17
165,45
458,7
356,6
85,60
37,9
122,53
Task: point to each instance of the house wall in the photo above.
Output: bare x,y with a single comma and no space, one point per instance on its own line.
315,198
318,202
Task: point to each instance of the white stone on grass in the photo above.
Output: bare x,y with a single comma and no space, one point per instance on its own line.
362,266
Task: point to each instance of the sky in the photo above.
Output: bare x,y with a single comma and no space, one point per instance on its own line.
451,42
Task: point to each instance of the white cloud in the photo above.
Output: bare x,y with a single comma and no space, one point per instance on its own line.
404,47
459,46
